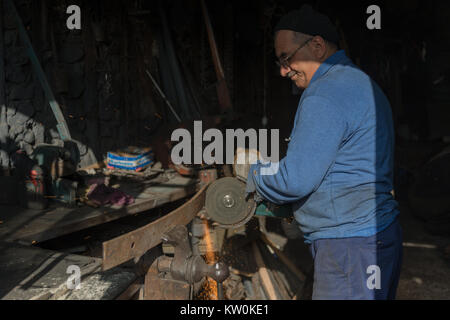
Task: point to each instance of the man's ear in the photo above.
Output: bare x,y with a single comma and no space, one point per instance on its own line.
319,47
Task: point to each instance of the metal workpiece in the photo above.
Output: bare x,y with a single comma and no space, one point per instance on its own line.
136,243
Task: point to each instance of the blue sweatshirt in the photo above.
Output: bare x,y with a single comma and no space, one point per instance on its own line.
338,170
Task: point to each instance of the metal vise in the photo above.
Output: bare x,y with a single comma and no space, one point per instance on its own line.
184,268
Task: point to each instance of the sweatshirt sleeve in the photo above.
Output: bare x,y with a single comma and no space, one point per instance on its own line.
318,132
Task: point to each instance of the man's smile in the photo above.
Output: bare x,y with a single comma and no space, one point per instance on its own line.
292,74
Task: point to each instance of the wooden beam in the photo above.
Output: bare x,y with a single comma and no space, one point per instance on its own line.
131,291
292,267
264,274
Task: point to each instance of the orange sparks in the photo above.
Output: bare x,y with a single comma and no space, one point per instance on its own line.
211,285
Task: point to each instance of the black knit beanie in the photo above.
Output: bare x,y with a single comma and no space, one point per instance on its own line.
310,22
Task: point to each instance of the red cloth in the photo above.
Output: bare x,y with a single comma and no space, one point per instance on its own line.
102,195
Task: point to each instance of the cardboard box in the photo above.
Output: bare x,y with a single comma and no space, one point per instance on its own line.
131,158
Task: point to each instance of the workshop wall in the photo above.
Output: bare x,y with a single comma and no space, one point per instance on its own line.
95,73
83,73
98,73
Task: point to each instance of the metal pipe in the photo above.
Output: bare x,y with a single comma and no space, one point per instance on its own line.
219,291
163,95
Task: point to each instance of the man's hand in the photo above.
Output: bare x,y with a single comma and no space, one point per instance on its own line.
243,160
242,164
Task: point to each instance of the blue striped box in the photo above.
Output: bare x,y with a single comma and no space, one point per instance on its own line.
131,158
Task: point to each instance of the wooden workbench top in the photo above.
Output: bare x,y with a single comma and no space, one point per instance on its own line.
28,226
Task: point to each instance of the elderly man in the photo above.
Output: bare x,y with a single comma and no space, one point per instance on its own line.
338,170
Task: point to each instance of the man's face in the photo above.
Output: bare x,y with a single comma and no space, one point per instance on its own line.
303,63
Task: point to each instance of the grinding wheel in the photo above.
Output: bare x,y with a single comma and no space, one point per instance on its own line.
226,204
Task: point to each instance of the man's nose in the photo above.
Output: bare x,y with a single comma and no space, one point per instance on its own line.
284,71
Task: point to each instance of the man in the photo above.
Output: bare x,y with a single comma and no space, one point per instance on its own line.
338,170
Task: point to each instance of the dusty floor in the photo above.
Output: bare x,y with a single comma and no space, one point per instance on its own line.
426,270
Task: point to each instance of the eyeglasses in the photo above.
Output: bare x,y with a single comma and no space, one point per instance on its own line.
284,62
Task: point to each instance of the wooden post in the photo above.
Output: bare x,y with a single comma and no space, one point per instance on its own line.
222,88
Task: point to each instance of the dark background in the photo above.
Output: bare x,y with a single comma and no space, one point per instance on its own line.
98,72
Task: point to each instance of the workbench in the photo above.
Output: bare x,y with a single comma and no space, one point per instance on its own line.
29,272
28,226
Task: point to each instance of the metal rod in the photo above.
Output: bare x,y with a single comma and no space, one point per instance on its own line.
219,291
163,95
